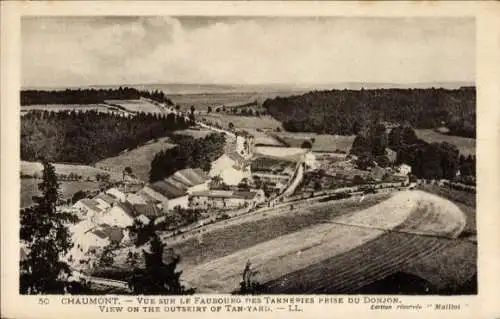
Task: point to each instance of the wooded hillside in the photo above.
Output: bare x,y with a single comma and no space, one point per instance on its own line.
85,138
89,96
345,111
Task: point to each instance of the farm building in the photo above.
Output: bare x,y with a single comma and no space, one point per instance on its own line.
174,190
221,199
87,207
270,178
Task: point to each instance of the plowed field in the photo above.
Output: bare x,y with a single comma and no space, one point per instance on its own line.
411,232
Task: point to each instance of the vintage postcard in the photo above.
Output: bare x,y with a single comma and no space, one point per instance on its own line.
250,159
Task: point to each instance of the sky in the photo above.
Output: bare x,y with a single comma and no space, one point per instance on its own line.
80,51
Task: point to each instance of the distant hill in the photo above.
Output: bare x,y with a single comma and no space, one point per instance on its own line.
344,111
197,88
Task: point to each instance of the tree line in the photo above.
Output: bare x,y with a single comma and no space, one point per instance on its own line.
89,96
344,111
428,160
188,153
87,137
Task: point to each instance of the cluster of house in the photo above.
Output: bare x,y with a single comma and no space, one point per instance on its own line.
105,218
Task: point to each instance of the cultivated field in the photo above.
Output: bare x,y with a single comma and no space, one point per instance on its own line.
466,146
29,188
337,237
201,101
427,257
138,159
322,142
137,106
32,168
224,238
195,133
65,108
465,201
243,122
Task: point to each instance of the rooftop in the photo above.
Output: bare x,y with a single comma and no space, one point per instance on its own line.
177,184
148,210
90,203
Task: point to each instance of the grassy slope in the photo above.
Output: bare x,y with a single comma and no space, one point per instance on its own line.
466,146
139,159
250,122
29,188
465,201
85,171
387,254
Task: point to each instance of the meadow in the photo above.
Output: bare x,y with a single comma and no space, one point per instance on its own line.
243,122
29,188
139,159
466,146
322,142
65,107
137,106
201,101
35,168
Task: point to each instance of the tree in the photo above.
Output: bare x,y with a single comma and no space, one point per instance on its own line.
158,277
127,171
79,195
107,257
379,140
248,284
317,185
357,180
306,144
132,259
47,240
216,181
209,110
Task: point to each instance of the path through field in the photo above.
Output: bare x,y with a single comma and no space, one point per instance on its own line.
345,252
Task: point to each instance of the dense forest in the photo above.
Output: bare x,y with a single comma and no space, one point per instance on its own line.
89,96
428,160
344,111
189,153
86,138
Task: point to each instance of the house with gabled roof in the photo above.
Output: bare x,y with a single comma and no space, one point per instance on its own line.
87,207
174,190
104,201
119,214
147,212
117,194
226,199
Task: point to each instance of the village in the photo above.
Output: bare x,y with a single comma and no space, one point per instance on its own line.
252,174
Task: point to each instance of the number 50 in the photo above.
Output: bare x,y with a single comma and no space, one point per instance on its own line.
43,301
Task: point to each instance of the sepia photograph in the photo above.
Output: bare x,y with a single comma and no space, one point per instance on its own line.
248,155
